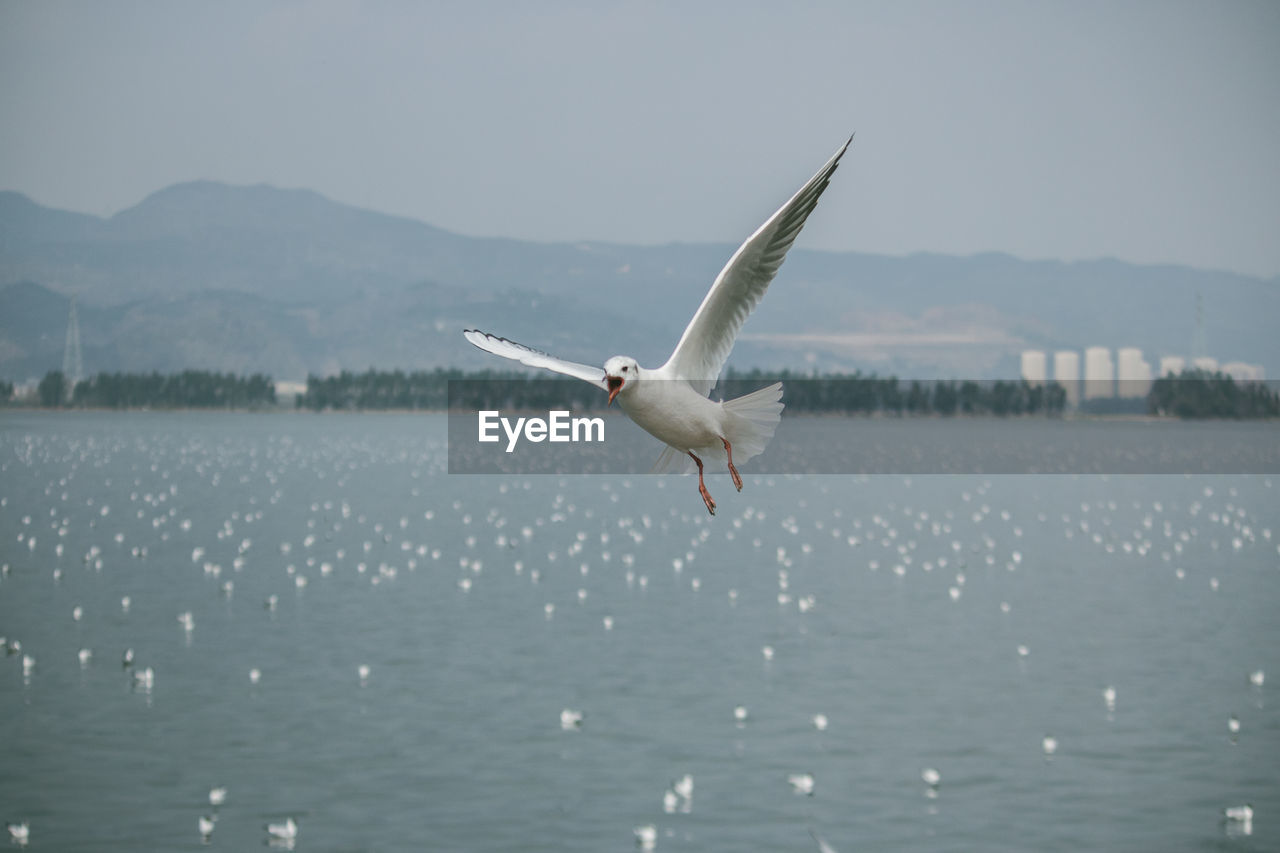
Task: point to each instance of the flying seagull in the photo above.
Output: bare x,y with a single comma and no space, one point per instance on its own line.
671,402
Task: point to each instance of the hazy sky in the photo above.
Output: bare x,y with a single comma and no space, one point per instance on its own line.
1147,131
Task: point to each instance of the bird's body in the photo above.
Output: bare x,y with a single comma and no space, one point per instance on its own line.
671,402
1241,813
286,831
19,833
802,783
673,412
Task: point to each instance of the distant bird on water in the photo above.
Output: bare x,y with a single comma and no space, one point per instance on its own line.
670,402
286,831
802,783
19,833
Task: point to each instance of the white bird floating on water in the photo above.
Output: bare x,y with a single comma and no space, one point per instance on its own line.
802,783
931,777
363,671
1049,744
206,825
740,713
286,831
646,836
1257,677
670,402
1239,820
684,786
1241,813
217,796
19,833
570,719
820,722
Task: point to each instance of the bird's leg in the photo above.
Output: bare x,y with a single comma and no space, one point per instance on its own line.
702,487
733,472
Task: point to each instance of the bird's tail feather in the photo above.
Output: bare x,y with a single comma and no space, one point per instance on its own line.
755,417
758,414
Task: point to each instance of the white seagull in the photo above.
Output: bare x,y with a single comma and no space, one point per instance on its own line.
286,831
19,833
671,402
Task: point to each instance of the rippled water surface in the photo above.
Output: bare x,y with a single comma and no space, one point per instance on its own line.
944,622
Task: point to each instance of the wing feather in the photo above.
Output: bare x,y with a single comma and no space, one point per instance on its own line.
535,358
707,341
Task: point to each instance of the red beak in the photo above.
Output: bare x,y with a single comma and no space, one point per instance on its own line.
615,385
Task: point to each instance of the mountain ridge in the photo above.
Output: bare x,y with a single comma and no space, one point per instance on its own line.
299,254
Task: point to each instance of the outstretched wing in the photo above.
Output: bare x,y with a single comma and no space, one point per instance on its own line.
706,343
535,358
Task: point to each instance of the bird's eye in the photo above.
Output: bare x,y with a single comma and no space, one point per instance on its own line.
625,368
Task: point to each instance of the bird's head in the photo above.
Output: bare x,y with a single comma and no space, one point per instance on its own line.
620,372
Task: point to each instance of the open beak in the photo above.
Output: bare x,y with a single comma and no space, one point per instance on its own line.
615,385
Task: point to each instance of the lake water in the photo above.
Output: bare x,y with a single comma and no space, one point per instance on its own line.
944,622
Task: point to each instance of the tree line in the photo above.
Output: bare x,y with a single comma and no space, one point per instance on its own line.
1200,394
1193,394
190,389
515,391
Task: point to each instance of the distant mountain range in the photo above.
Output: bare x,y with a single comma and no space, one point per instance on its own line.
257,279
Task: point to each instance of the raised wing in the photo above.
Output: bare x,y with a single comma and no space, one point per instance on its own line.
706,343
535,358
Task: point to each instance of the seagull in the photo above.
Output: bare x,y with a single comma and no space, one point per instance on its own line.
19,833
646,836
206,825
145,679
684,786
671,402
802,783
1241,813
217,796
286,831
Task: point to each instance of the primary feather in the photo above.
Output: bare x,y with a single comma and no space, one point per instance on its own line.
707,341
535,358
